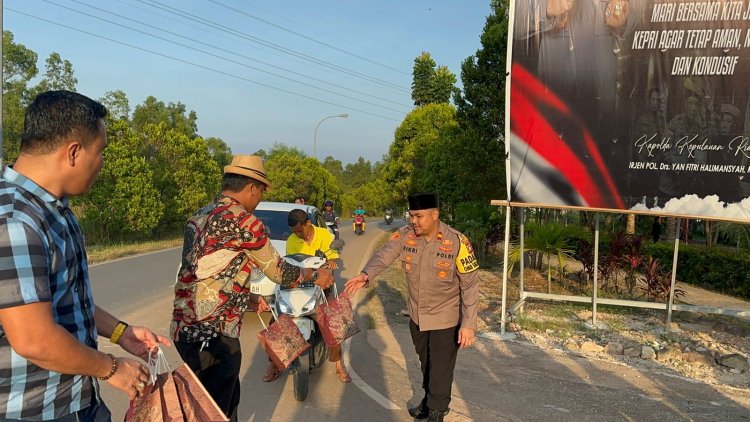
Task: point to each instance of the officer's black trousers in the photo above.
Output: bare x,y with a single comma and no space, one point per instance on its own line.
437,350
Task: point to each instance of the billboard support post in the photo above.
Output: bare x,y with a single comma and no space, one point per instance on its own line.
596,268
508,211
674,272
522,253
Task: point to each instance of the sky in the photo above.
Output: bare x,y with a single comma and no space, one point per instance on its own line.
259,72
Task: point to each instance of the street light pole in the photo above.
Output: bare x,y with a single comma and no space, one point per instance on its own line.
315,134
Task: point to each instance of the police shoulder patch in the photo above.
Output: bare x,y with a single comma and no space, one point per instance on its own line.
395,236
466,261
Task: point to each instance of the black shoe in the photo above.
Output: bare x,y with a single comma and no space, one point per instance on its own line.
421,411
438,415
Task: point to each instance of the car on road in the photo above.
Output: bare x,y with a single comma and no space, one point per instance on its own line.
274,218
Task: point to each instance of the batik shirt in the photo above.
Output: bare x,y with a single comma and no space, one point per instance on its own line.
224,244
42,259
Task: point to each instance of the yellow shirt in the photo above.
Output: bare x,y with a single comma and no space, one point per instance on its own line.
321,240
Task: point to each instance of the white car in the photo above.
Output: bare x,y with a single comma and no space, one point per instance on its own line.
274,218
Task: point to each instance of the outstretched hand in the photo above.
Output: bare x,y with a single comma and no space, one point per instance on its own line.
139,341
354,284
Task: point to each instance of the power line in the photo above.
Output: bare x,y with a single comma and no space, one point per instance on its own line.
330,35
372,79
215,55
197,65
341,50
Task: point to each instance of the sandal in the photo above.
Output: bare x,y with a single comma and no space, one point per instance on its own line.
271,374
343,375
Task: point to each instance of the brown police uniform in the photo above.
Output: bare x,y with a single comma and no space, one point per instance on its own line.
443,292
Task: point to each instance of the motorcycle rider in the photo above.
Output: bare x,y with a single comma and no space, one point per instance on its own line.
331,217
307,239
388,215
359,215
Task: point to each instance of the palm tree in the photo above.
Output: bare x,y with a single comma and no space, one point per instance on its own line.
551,239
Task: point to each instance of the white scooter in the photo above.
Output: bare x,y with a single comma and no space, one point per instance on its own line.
301,303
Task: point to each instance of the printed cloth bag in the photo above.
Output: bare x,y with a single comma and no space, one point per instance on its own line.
197,404
336,320
159,401
282,340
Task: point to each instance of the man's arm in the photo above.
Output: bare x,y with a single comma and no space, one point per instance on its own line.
377,264
136,340
51,347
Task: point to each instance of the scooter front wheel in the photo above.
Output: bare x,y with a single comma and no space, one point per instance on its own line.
300,375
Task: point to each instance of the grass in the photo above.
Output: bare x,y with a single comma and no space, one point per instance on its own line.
102,253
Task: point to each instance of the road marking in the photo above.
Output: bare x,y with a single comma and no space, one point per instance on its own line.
359,382
133,256
356,379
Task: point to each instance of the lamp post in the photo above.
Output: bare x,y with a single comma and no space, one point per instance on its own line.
315,134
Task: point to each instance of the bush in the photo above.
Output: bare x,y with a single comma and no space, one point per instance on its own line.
717,269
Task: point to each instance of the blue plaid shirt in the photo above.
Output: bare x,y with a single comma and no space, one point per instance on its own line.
42,259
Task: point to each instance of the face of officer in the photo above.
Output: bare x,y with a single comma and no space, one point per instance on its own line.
424,222
726,124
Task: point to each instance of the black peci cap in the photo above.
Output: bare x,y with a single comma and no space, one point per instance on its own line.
423,201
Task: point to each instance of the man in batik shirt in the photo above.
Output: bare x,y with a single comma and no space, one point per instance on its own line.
224,243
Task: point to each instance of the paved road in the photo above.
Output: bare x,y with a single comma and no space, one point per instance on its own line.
495,381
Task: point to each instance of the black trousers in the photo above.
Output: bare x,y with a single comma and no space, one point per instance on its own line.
437,350
217,367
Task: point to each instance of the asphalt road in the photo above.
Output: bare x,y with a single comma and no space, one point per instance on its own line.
494,381
139,290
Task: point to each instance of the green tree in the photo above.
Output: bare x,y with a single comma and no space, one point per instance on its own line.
19,67
185,174
431,85
58,75
174,115
443,84
292,173
124,201
421,86
481,110
357,174
420,130
117,104
220,151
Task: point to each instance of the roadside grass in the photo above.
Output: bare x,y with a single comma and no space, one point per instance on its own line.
102,253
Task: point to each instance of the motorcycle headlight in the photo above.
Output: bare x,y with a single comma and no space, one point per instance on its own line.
285,307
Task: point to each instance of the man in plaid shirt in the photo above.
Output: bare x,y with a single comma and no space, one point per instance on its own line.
49,363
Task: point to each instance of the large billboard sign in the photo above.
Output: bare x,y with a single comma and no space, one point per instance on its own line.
639,104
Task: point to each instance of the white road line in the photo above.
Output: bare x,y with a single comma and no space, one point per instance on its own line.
356,379
359,382
133,256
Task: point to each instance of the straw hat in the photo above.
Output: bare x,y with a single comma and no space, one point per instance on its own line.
250,166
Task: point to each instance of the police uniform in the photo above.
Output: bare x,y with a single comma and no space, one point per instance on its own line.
443,291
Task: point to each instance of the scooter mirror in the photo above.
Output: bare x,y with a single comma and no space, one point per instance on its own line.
337,244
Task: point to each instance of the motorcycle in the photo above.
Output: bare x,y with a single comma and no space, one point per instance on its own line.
333,226
301,303
359,224
388,217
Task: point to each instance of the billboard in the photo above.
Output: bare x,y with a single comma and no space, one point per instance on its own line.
631,105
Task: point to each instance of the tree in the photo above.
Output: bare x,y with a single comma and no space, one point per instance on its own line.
292,173
19,67
220,151
481,110
58,75
124,200
117,104
430,85
443,85
174,115
420,130
185,175
421,86
357,174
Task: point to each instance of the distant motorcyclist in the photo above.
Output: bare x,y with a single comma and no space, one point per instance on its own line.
388,215
331,217
359,215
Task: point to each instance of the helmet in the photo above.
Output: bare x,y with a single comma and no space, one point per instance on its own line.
328,203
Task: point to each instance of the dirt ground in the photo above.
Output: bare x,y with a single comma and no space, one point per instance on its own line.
690,347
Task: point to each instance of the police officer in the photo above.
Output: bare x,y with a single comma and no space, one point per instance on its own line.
440,269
